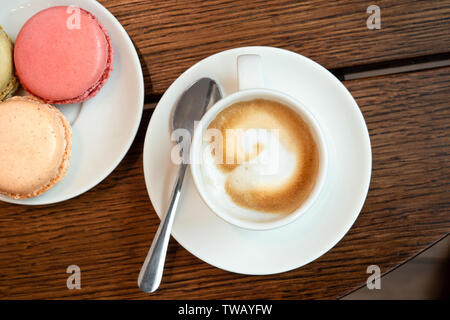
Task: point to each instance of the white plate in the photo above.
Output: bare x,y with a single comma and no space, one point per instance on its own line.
234,249
103,127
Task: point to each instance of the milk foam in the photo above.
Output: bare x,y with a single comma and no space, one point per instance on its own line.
259,156
271,168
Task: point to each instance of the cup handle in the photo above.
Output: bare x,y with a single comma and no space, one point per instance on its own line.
250,75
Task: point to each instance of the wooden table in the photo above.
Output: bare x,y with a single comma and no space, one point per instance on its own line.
107,231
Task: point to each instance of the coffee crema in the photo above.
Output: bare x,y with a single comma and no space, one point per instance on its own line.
262,154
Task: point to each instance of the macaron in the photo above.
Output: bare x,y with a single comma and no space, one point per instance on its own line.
63,55
8,82
35,147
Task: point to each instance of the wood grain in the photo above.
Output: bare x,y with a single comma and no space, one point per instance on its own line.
172,35
108,230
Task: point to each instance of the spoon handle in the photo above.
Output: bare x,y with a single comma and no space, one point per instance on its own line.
153,267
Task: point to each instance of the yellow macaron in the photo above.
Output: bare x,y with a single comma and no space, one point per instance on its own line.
8,82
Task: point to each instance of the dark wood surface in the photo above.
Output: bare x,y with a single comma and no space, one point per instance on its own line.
107,231
172,35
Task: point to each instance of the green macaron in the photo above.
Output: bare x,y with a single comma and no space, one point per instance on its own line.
8,82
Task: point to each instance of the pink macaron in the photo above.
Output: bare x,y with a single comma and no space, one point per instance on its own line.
63,55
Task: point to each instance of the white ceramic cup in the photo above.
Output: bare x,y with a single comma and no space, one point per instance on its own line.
251,86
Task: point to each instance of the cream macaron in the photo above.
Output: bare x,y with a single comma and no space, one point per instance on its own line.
35,147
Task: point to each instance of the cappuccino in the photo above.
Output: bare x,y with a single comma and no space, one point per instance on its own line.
260,155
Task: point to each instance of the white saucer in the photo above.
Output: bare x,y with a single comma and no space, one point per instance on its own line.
103,127
228,247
